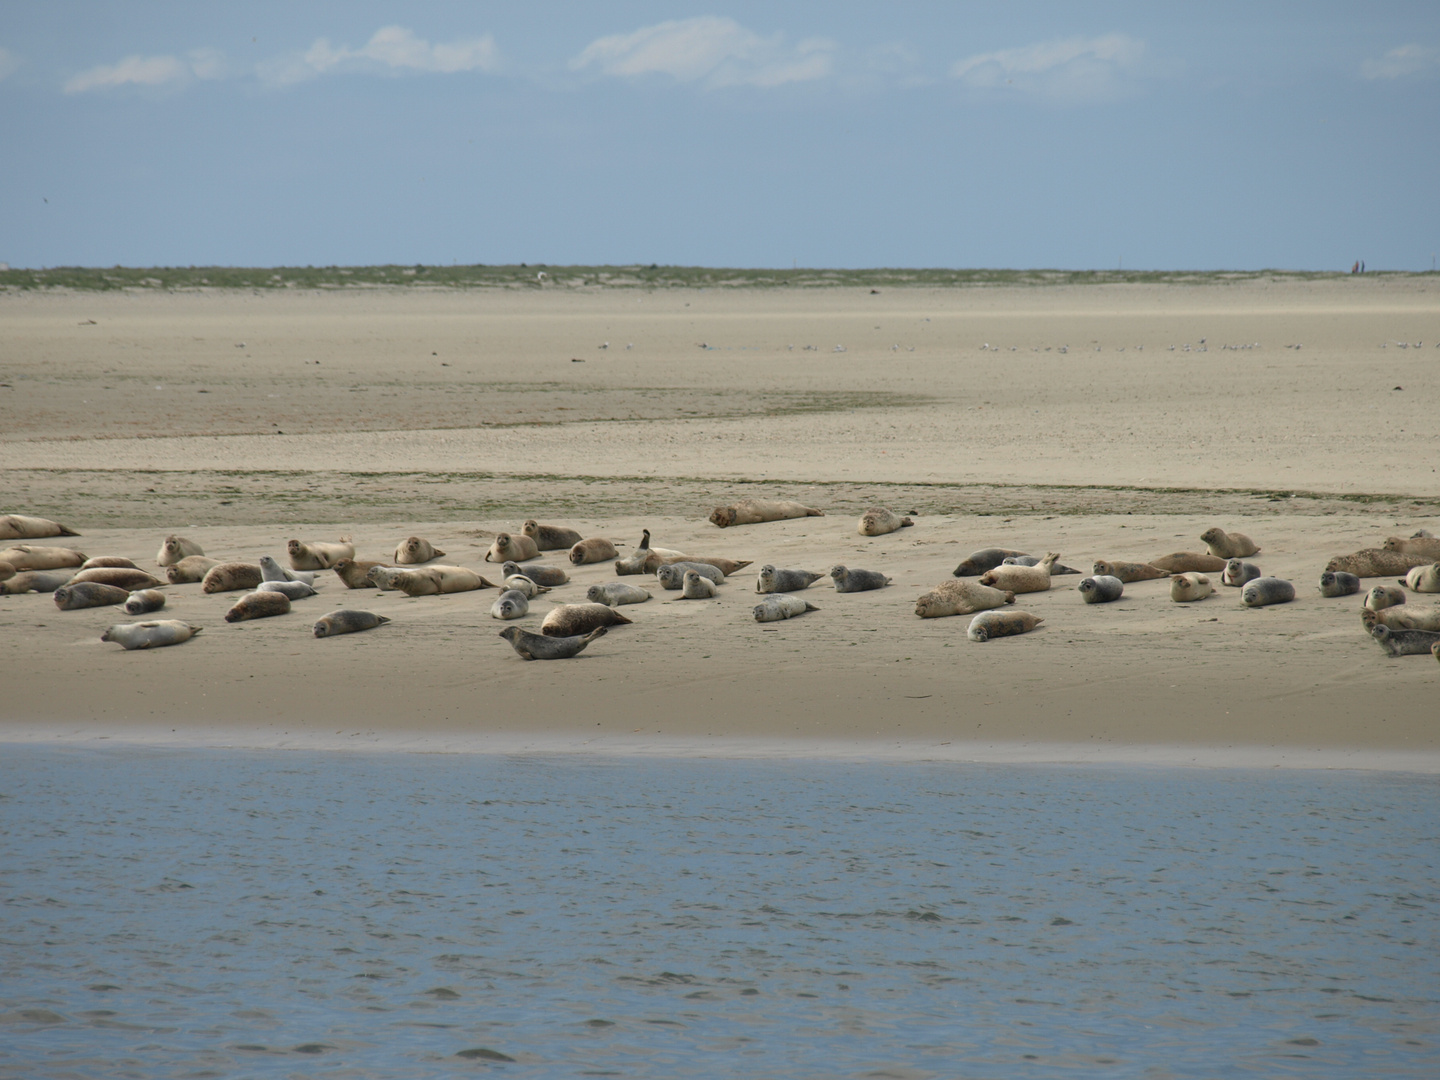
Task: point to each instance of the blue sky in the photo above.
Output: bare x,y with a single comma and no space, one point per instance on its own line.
1297,135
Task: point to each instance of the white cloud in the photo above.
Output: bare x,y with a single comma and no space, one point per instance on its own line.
1406,60
9,63
150,71
1068,68
391,49
709,50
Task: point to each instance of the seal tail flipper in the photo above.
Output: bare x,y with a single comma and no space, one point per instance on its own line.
810,607
1009,597
65,531
378,619
599,631
741,565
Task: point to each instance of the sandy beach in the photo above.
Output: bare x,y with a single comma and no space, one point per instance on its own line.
1103,422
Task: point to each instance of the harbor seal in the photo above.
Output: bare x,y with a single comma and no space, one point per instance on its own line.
415,549
258,605
778,606
993,624
1383,596
150,635
756,511
960,598
355,573
1225,545
89,594
1128,571
695,587
430,580
1404,642
174,548
522,584
1424,578
295,590
230,577
847,580
645,559
1190,586
1238,572
1035,560
616,593
347,621
144,601
271,570
540,647
1185,562
1426,545
24,527
552,537
119,576
977,562
512,548
1402,617
1101,589
596,549
772,580
1264,591
7,571
190,569
316,555
1367,562
572,620
672,575
510,604
98,561
34,581
1021,579
34,557
877,521
549,576
1338,583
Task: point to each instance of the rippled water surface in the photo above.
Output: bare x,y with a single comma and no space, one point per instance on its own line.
178,913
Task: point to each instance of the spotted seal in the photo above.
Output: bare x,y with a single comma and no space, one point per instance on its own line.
877,521
174,548
316,555
1225,545
1021,579
570,620
1422,543
1367,562
96,562
430,580
778,606
1424,578
258,605
510,604
1338,583
1190,586
144,601
190,569
756,511
89,594
1238,572
551,537
35,557
150,635
1264,591
773,580
355,573
1402,617
848,580
616,593
347,621
695,587
977,562
1404,642
549,576
596,549
540,647
1383,596
295,590
993,624
118,576
960,598
1185,562
512,547
672,575
1101,589
414,550
25,527
230,577
1128,571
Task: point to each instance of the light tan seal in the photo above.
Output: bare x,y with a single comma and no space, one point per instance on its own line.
1185,562
191,568
878,521
1367,562
960,597
695,587
540,647
1402,617
1190,586
414,550
755,511
150,635
230,577
34,557
108,560
615,593
1225,545
1426,545
89,594
35,581
596,549
355,573
7,571
347,621
1128,571
258,605
316,555
24,527
429,580
1424,578
174,548
778,606
1383,596
570,620
118,576
993,624
144,601
1021,579
510,547
550,537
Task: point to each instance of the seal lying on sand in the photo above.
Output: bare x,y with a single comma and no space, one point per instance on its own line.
295,590
510,547
615,593
1190,586
539,647
1404,642
271,570
174,548
35,557
1238,572
118,576
1402,617
1424,578
1367,562
1021,579
315,555
960,598
528,586
1418,544
1035,560
755,511
89,594
190,569
150,635
549,576
993,624
596,549
510,604
1101,589
355,573
977,562
847,580
144,601
1264,591
772,580
645,559
877,521
1338,583
430,580
24,527
672,575
231,576
34,581
1129,571
1383,596
1225,545
1184,562
347,621
568,620
695,587
414,550
258,605
778,606
96,562
551,537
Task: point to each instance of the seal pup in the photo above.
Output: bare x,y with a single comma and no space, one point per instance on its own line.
521,583
32,557
1021,579
540,647
1238,572
695,587
1424,578
1404,642
1185,562
1425,545
596,549
1035,560
230,577
34,581
24,527
993,624
144,601
616,593
572,620
119,576
295,590
190,569
1128,571
174,548
1225,545
150,635
778,606
347,621
960,598
508,548
271,570
258,605
672,575
549,576
355,573
847,580
510,604
1367,562
1101,589
1190,586
1402,617
415,549
1264,591
1383,596
977,562
755,511
89,594
771,580
552,537
98,561
1338,583
877,521
315,555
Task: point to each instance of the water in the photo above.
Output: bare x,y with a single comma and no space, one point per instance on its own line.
198,913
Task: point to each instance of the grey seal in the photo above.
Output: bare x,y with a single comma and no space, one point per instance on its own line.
294,590
1424,578
695,587
993,624
778,606
549,576
540,647
1338,583
271,570
847,580
1264,591
570,620
150,635
1101,589
144,601
258,605
1238,572
771,580
1404,642
89,594
615,593
672,575
977,562
510,604
347,621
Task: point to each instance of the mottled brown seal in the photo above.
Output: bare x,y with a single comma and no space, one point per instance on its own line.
551,537
1185,562
119,576
1369,562
414,550
595,549
1427,545
1405,642
347,621
144,601
154,634
1227,545
316,555
541,647
24,527
569,620
960,598
512,547
878,521
89,594
355,573
258,605
191,568
993,624
174,548
1129,571
96,561
230,577
755,511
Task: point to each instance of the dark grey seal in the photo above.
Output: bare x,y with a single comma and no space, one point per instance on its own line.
347,621
1267,590
549,576
847,580
1101,589
538,647
1404,642
977,562
771,580
1338,583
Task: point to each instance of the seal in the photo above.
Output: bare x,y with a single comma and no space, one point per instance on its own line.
355,573
672,575
539,647
1383,596
1190,586
24,527
32,557
1101,589
6,571
1238,572
1425,545
189,569
118,576
695,587
771,580
877,521
89,594
616,593
993,624
1402,617
1035,560
34,581
150,635
1405,642
98,561
231,576
1184,562
295,590
144,601
552,537
1424,578
596,549
549,576
314,555
174,548
512,548
1367,562
522,584
347,621
977,562
847,580
510,604
778,606
1225,545
1021,579
756,511
960,598
258,605
429,580
1338,583
271,570
570,620
415,549
1128,571
1264,591
645,559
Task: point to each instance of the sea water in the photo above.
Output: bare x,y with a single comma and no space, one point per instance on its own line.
205,913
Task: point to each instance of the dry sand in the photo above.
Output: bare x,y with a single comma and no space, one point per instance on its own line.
242,420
